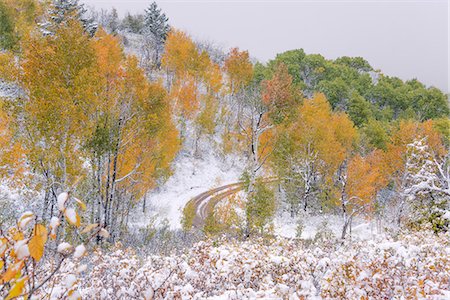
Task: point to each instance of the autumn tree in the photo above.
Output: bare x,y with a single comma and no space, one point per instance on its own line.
53,113
360,180
133,139
90,117
310,151
397,158
195,86
239,70
280,94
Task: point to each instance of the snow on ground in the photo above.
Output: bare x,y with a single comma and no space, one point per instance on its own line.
414,266
15,200
285,226
191,177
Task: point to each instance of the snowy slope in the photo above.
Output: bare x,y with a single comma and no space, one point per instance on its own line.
414,266
192,176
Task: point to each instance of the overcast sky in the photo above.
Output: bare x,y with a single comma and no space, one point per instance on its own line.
408,39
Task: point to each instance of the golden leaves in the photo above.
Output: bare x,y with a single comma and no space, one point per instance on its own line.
17,288
37,242
239,69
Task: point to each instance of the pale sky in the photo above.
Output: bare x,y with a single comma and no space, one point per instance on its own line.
408,39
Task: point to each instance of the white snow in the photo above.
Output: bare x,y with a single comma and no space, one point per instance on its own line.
70,280
21,249
71,215
26,218
64,247
191,177
62,198
80,250
285,226
54,222
412,266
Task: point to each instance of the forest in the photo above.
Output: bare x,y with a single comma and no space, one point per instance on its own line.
137,162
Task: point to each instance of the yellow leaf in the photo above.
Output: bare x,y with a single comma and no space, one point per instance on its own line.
80,203
12,271
72,217
37,242
89,228
26,218
41,230
16,234
17,289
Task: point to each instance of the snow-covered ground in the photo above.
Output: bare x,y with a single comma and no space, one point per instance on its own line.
191,177
286,226
414,266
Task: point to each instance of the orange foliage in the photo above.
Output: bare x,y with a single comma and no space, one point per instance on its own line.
193,70
279,94
406,133
318,130
365,177
239,70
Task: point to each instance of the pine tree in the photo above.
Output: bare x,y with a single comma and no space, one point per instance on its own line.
156,29
61,11
113,22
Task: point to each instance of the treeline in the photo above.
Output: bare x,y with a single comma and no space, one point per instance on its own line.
392,169
337,135
88,120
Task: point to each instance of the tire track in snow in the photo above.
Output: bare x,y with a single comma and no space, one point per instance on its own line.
206,201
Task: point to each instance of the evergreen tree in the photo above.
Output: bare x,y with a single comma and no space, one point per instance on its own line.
156,29
113,22
133,24
61,11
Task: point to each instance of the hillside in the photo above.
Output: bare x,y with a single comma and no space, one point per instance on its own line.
137,162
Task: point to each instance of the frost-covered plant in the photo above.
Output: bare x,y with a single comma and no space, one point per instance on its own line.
23,271
415,266
428,190
324,233
299,228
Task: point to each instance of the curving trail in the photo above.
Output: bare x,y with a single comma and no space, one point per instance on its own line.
206,201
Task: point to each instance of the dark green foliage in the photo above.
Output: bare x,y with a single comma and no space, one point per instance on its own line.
357,63
337,92
375,134
133,24
359,109
260,207
8,38
351,84
293,60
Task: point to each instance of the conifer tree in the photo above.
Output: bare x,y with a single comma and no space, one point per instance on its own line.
156,29
61,11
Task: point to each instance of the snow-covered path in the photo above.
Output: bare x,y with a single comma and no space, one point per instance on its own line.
191,178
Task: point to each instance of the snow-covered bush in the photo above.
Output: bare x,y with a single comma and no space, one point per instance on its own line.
415,266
